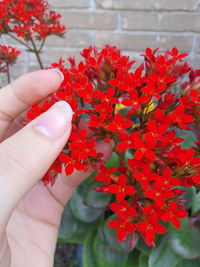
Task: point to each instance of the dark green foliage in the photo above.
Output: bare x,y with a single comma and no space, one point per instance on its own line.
185,242
163,256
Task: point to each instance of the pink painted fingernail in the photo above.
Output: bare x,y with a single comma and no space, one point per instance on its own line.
55,121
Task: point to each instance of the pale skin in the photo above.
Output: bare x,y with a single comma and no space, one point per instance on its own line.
30,212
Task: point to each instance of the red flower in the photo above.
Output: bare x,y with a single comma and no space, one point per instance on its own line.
87,92
108,96
122,189
134,100
179,117
72,162
173,213
145,177
105,175
188,158
124,227
167,180
156,130
151,163
158,82
158,193
175,54
144,147
123,209
31,20
119,124
126,141
8,56
149,227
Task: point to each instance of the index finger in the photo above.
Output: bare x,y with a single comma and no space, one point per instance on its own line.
30,88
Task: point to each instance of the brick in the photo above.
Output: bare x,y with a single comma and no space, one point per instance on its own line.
51,55
89,20
69,3
18,70
139,42
15,71
197,49
194,61
136,56
161,21
72,38
7,40
3,80
148,4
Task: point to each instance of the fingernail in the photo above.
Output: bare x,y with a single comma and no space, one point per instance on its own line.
61,76
56,121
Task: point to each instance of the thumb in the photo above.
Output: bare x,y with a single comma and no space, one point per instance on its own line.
27,155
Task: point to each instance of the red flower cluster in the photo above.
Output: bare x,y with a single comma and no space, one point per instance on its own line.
140,111
29,19
8,56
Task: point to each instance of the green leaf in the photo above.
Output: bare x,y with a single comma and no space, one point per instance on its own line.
73,230
88,254
187,263
163,256
82,189
143,247
68,224
82,231
196,203
101,233
83,212
190,139
188,195
77,237
113,241
113,161
185,241
106,256
143,260
96,199
133,258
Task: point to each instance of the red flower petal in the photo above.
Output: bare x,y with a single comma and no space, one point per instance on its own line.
176,223
129,190
181,213
116,207
69,169
149,237
151,193
114,224
121,234
142,226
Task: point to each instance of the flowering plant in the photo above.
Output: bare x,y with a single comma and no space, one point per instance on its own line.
28,21
8,57
147,114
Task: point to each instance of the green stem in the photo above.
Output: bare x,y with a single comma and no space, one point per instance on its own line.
37,53
8,73
19,41
41,46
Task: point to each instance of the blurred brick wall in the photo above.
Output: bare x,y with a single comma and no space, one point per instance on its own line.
132,25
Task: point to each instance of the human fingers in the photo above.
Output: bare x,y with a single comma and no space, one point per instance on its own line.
27,155
24,92
66,185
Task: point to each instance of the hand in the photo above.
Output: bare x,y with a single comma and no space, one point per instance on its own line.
30,212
